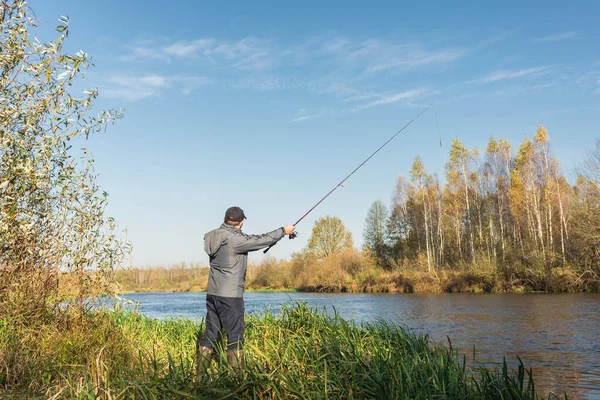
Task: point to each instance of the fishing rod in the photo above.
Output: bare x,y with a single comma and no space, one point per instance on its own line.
294,234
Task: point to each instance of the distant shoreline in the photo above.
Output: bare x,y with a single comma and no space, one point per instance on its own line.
204,290
516,291
356,275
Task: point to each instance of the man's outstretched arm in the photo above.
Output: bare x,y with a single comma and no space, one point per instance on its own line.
244,243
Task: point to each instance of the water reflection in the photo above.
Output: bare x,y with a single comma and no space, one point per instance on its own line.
555,335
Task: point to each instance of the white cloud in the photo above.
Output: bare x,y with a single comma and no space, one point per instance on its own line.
417,58
154,80
305,114
559,36
188,49
135,88
498,37
331,51
263,83
376,55
588,79
343,89
363,96
512,74
249,52
518,89
307,117
393,98
140,52
355,71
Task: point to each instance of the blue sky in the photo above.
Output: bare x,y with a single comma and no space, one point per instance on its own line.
268,105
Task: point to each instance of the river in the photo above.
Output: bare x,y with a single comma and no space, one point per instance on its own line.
558,335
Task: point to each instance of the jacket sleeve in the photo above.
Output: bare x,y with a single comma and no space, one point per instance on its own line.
243,243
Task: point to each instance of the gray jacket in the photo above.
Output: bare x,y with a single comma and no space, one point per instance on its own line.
228,249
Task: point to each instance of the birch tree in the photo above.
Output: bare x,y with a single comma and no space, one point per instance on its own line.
375,232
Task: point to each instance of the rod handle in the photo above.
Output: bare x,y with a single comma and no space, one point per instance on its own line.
292,235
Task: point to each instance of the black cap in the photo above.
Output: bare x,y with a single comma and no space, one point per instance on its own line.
234,214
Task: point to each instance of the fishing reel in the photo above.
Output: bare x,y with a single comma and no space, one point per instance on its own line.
291,236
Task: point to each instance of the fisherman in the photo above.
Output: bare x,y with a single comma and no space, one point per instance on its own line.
227,248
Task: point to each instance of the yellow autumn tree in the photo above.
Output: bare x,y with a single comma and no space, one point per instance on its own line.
329,236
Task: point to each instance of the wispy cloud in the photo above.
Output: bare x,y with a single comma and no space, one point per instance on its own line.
135,88
263,83
156,81
351,70
590,79
587,77
519,89
417,58
363,96
376,55
330,51
498,37
512,74
343,89
306,114
396,97
184,49
248,52
559,36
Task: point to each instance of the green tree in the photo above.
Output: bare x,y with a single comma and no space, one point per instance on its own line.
375,232
51,210
329,236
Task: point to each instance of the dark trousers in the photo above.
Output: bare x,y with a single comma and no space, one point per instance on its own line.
224,313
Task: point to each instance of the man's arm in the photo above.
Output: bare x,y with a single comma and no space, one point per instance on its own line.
243,243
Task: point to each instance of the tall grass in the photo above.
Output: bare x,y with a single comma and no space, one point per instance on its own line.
352,271
299,354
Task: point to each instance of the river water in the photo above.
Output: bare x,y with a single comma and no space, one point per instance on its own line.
558,335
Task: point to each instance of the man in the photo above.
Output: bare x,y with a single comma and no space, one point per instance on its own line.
227,248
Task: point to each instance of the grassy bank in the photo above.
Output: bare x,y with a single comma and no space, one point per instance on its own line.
352,272
300,354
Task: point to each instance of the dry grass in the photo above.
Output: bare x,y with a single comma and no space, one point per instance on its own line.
353,271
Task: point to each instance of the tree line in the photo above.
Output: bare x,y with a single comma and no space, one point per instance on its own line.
501,210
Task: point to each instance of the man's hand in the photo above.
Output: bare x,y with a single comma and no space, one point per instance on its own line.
289,229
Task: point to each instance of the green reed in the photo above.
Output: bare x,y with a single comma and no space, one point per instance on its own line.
299,354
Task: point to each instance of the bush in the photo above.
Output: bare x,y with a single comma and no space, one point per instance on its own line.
52,211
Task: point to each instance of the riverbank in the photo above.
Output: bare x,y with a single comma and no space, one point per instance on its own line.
284,277
300,353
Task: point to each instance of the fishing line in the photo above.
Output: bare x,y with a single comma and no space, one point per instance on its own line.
438,127
294,234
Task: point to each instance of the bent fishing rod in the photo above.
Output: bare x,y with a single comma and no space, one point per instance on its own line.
294,234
